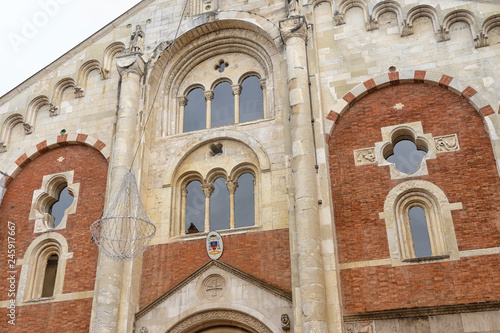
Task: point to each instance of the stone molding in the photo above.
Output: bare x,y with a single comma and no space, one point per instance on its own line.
423,311
219,316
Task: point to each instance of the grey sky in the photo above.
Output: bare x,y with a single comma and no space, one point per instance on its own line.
34,33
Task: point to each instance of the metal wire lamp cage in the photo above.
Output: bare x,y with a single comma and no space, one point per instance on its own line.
125,230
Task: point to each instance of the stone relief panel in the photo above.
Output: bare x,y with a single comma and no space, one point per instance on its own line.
446,143
364,156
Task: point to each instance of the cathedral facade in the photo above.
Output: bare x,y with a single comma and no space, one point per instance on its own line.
346,152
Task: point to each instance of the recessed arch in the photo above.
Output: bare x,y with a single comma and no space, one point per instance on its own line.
7,127
109,54
83,75
388,6
60,88
34,107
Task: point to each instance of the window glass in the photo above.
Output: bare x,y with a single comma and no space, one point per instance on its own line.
49,280
406,157
195,112
420,232
223,105
251,99
58,209
219,206
195,206
244,201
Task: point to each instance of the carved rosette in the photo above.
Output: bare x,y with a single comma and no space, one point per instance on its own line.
446,143
219,317
364,156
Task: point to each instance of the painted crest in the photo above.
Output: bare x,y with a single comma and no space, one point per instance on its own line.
214,245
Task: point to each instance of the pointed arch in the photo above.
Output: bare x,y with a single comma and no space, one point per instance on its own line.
83,75
109,54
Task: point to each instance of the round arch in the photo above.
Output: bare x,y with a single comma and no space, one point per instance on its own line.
220,317
52,142
479,103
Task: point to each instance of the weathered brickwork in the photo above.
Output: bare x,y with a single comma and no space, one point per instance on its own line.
468,176
167,264
90,170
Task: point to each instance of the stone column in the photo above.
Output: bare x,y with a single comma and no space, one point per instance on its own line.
236,93
184,193
264,97
308,237
182,103
111,306
208,189
231,186
209,96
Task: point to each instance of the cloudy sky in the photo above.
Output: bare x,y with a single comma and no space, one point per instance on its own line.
34,33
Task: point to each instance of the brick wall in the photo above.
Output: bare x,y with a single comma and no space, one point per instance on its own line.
264,255
468,176
90,170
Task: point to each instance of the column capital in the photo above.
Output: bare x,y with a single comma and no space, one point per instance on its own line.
209,95
294,26
231,186
182,100
236,89
262,84
208,189
130,63
184,192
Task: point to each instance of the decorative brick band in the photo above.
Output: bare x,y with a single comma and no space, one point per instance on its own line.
475,99
54,142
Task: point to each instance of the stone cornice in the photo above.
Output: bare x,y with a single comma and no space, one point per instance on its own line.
423,311
294,26
130,63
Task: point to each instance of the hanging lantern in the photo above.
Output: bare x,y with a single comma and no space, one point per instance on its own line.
125,230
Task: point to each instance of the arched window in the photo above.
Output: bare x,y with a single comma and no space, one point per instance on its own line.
251,99
195,111
244,201
419,232
195,207
49,279
219,206
223,105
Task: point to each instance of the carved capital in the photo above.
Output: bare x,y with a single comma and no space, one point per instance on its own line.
131,63
338,19
372,24
236,89
79,92
293,27
28,129
182,101
208,189
262,84
232,185
54,110
3,147
481,40
442,35
184,192
209,95
407,30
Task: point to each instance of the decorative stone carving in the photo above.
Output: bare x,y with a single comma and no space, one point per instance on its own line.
236,89
208,189
285,322
79,92
364,156
481,40
293,8
143,330
209,95
137,40
54,110
28,129
407,30
372,24
232,185
293,27
182,101
3,147
446,143
130,63
442,35
219,316
213,287
338,19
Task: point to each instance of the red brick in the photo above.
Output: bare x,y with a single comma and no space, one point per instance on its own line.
349,97
370,84
420,75
21,161
99,145
486,110
332,116
42,146
469,92
81,137
394,77
445,80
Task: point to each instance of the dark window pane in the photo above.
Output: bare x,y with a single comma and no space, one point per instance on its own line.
251,102
49,279
419,232
195,206
57,210
223,105
244,202
219,206
406,156
195,112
